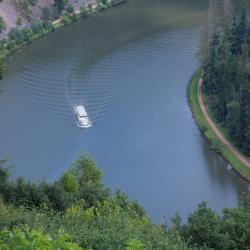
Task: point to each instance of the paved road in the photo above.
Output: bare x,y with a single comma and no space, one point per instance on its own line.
240,157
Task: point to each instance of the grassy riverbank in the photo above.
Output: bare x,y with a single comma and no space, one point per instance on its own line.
216,144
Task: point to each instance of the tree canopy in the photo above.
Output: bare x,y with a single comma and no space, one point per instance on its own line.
227,77
78,212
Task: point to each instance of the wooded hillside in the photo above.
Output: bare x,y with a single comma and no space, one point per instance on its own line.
24,11
227,73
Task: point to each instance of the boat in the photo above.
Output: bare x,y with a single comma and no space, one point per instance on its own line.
82,116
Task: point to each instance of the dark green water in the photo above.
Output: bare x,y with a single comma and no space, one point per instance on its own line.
130,67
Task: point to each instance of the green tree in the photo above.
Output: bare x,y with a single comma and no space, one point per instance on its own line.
60,4
1,68
19,21
46,13
69,182
202,227
227,78
2,25
70,9
245,118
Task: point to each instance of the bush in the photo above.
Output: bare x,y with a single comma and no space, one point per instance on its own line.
70,9
36,27
101,6
69,182
65,19
35,239
84,12
204,128
1,69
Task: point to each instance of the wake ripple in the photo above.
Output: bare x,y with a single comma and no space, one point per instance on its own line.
69,77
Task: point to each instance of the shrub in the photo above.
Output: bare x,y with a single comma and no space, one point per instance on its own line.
35,239
69,182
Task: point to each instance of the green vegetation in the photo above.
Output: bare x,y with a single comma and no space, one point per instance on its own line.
76,210
226,78
2,25
224,52
208,132
18,238
60,5
79,212
206,229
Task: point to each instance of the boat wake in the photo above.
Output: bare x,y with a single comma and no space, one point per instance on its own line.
98,84
94,77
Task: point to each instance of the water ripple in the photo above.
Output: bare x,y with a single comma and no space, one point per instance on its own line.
71,77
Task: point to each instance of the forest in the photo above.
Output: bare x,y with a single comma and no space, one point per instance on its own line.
227,73
78,212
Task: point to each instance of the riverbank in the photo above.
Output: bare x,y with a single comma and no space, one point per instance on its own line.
28,35
213,132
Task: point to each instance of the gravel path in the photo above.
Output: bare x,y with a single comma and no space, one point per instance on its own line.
239,156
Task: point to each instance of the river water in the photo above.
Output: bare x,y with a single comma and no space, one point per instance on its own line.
130,67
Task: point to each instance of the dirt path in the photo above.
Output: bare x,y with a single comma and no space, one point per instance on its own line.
239,156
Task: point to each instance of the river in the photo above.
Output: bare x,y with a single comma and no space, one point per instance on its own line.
130,67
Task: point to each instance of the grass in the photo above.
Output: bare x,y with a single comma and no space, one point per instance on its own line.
215,143
221,127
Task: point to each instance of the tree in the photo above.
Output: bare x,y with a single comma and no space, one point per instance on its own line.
69,182
206,229
227,75
1,68
19,21
210,67
70,9
202,227
245,118
46,14
2,25
36,26
60,4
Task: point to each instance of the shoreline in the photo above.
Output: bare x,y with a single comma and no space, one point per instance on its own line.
212,131
55,25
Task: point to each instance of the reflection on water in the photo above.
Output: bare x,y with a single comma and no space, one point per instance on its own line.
129,66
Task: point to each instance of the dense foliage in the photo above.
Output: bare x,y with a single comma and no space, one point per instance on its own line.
227,78
82,182
208,230
76,210
79,212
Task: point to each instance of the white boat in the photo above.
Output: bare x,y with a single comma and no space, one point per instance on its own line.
82,116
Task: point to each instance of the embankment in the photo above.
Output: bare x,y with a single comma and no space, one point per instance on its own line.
212,131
